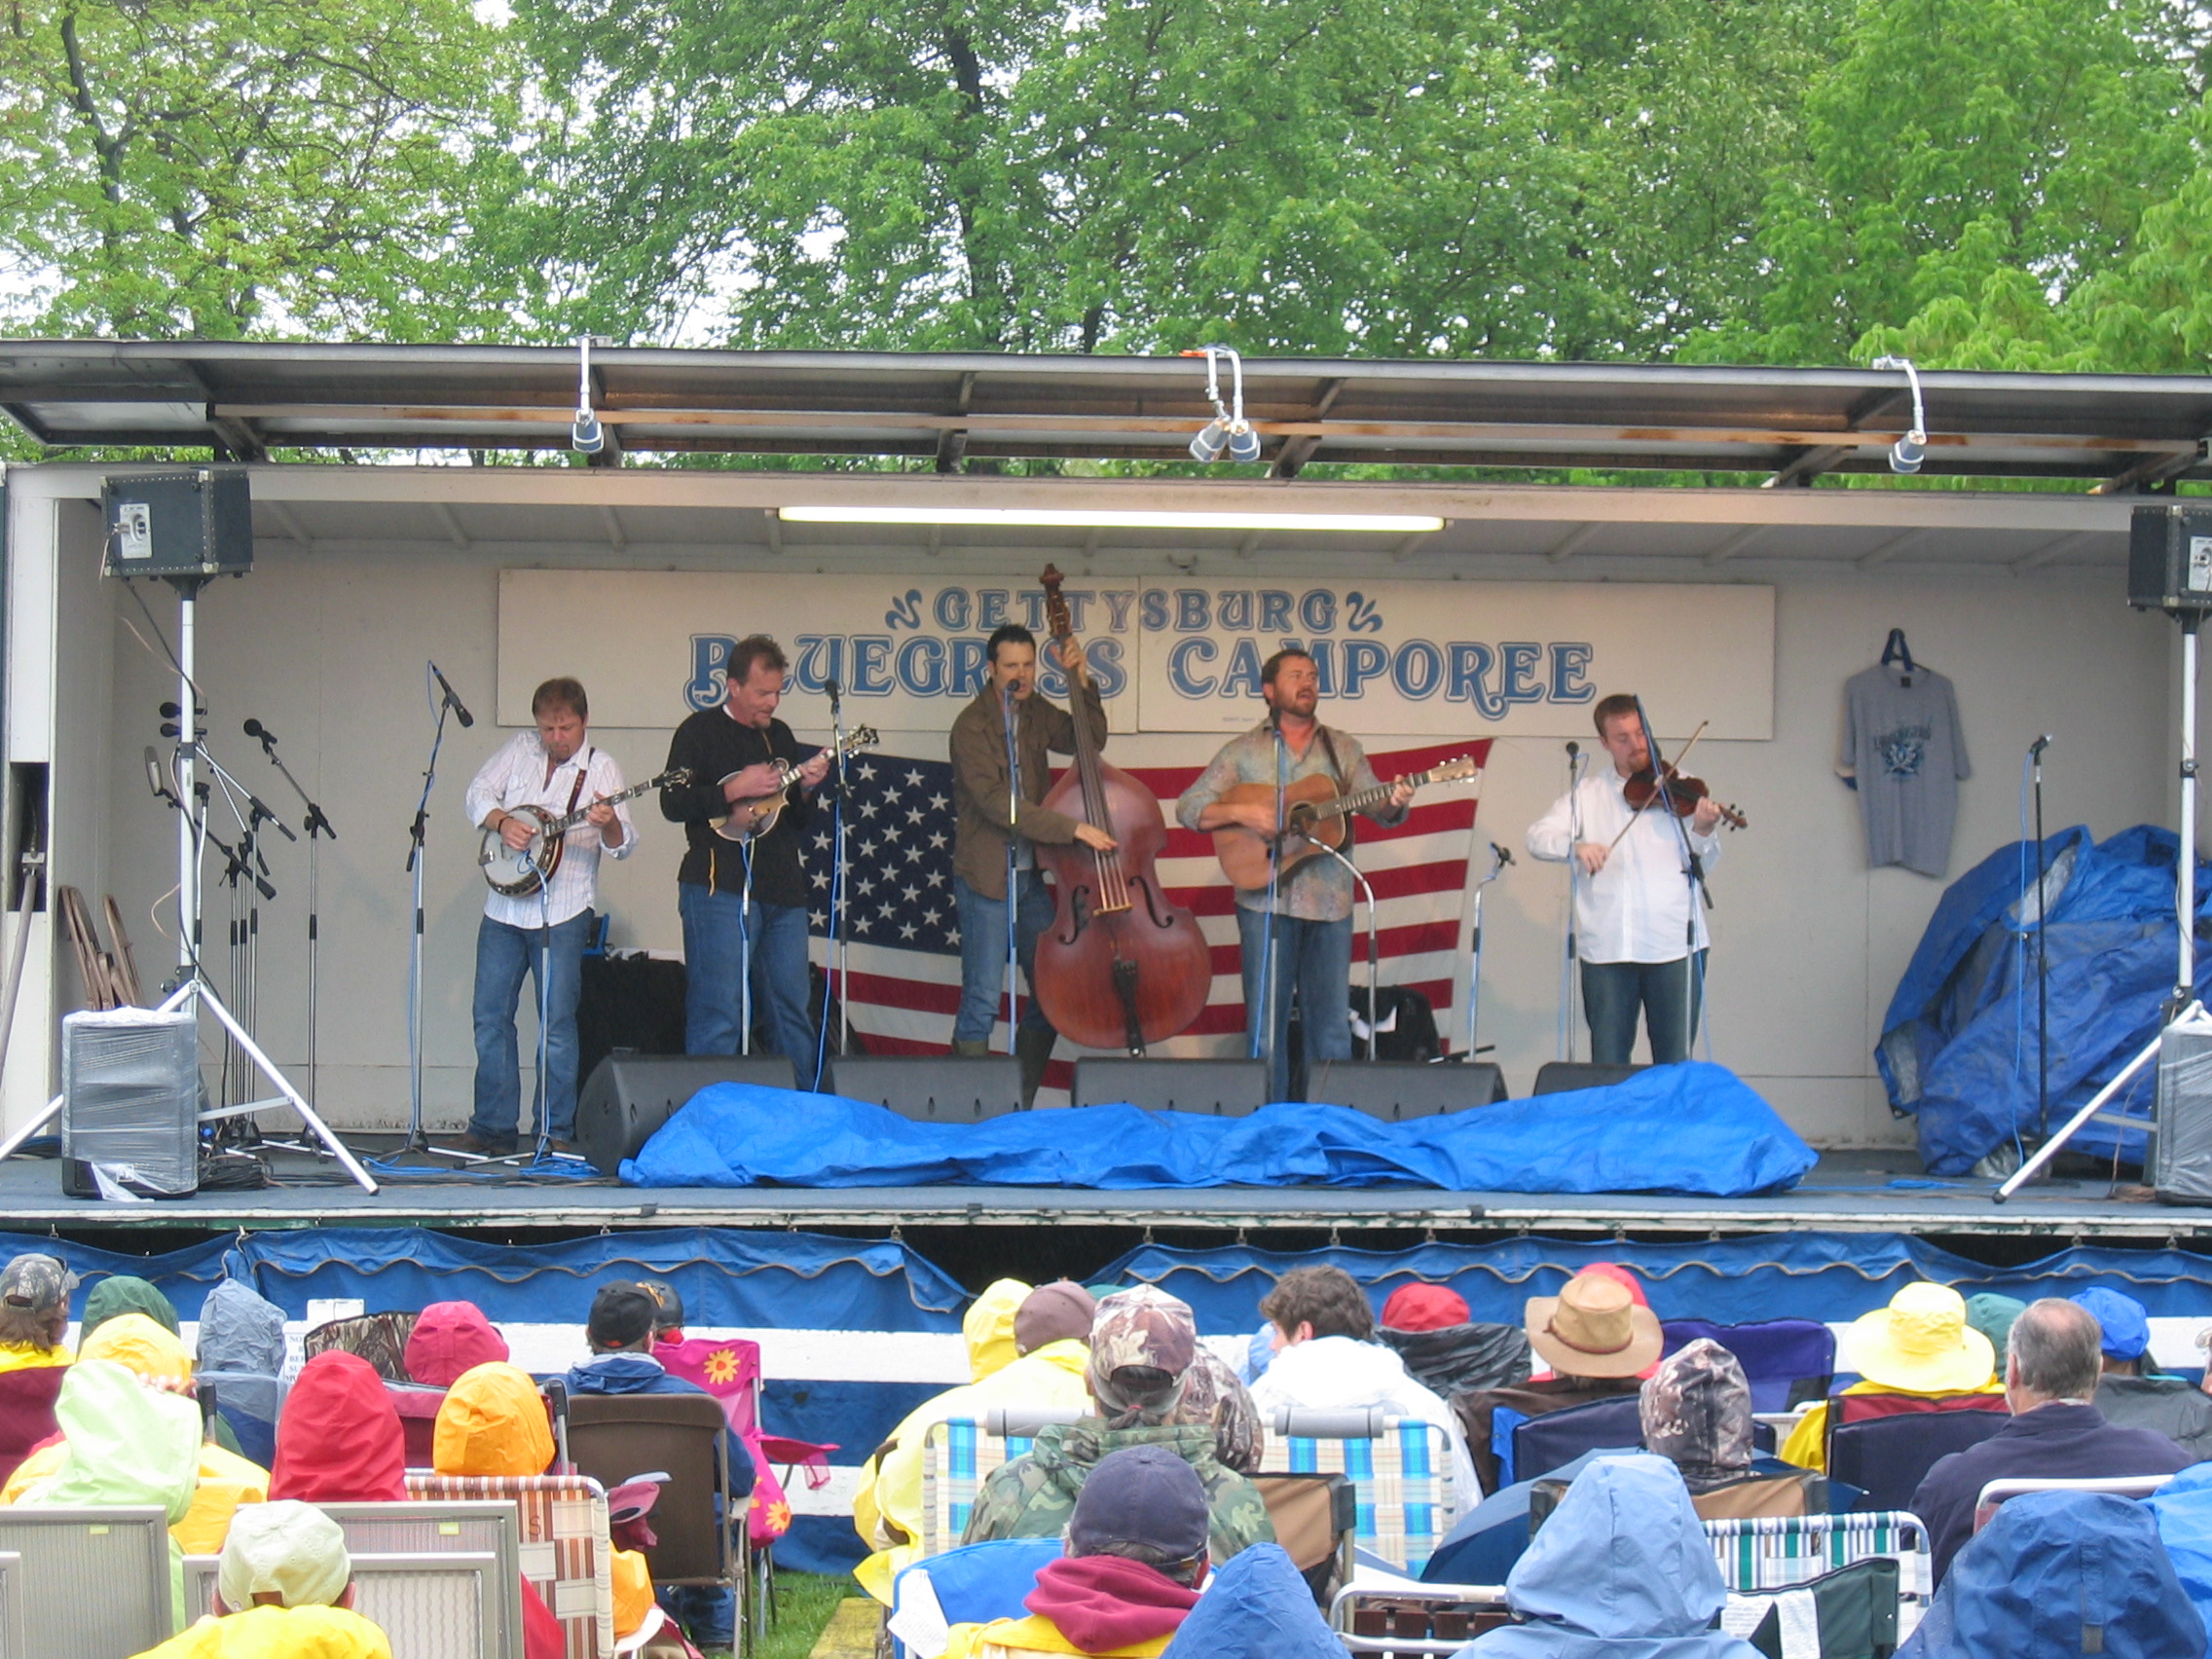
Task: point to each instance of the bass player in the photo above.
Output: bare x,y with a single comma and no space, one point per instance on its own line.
732,752
1312,922
542,934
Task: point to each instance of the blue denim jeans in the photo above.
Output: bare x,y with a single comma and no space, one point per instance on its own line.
504,956
982,954
715,928
1614,991
1313,962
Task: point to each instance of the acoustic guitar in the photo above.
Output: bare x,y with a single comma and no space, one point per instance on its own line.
1314,817
755,816
518,872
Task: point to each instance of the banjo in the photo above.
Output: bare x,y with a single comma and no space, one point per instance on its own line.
756,815
518,872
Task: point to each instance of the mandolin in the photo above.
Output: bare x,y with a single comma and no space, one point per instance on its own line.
517,872
1313,816
754,817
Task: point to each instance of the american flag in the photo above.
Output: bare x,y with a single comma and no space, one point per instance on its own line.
904,932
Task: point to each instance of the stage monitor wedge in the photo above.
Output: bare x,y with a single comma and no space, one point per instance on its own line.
178,523
1396,1091
1216,1089
932,1089
2169,559
628,1096
1564,1077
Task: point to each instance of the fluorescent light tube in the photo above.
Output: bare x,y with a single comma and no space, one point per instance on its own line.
1372,524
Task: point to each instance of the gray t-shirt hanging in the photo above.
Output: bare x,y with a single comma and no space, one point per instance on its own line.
1902,744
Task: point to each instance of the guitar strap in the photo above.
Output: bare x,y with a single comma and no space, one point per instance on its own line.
1337,773
582,772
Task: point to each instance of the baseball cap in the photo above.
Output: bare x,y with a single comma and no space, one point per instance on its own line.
671,1314
2123,1320
622,1315
37,1282
1141,1495
285,1546
1054,1313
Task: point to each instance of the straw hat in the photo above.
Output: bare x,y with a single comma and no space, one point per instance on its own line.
1593,1328
1920,1342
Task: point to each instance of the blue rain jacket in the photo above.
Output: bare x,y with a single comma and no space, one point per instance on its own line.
2183,1512
1257,1606
2058,1573
1621,1571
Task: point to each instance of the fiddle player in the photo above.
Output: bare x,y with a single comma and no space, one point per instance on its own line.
1312,905
984,831
1635,918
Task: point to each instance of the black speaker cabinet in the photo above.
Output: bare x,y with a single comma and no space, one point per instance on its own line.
1220,1089
196,522
2169,559
1396,1089
1564,1077
949,1089
628,1096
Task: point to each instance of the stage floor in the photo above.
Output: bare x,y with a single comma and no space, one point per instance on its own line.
1860,1192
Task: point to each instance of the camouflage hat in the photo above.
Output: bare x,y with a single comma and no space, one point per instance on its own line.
1142,1343
1697,1413
1213,1394
39,1283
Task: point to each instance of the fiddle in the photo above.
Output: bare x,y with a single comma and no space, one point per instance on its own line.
1641,790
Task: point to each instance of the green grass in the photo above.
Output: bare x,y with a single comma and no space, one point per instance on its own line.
804,1601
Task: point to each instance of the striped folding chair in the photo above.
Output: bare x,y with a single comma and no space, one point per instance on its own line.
1400,1469
1777,1552
565,1551
958,1455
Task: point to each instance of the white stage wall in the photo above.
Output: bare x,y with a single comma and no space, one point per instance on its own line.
327,648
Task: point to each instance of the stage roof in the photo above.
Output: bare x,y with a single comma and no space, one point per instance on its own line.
1784,425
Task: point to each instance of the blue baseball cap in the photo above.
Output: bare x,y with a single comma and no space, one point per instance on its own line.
2125,1325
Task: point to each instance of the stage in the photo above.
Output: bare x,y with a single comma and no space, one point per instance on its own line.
1846,1192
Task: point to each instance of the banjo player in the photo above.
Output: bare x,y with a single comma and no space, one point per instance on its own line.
540,934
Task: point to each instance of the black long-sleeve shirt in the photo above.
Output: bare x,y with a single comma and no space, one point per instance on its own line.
713,745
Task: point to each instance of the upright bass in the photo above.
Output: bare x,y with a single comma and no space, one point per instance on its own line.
1121,966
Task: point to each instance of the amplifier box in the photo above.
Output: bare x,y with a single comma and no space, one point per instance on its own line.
178,523
2180,1165
2169,559
130,1102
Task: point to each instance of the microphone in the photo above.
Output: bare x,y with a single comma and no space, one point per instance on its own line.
1573,749
1500,854
254,729
154,780
461,712
830,685
2040,744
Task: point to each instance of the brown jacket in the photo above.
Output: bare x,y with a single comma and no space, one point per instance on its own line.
981,827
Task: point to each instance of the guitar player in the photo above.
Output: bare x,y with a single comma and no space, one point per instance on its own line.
731,751
1312,924
541,935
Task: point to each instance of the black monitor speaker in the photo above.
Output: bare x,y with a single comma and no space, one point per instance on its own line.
1220,1089
947,1088
2169,559
1396,1089
628,1096
181,522
1564,1077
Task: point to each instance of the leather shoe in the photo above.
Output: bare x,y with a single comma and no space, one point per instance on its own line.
472,1142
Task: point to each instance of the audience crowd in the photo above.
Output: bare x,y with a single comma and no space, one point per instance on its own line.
1135,1523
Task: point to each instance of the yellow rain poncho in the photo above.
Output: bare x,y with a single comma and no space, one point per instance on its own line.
988,1327
279,1632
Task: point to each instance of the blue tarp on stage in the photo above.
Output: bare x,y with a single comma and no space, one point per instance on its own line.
1959,1047
1692,1128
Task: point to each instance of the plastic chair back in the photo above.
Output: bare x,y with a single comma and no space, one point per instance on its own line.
468,1527
438,1606
95,1582
1889,1457
14,1644
613,1437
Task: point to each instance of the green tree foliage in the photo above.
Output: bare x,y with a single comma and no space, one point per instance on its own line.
226,167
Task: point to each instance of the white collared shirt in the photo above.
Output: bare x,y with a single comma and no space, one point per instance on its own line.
1631,910
515,776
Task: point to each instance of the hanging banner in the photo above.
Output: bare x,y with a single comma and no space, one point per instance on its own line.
1413,658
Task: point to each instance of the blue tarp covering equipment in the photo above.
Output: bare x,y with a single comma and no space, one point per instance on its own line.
1958,1047
1692,1128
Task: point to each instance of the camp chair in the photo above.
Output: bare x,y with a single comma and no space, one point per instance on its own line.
2120,1486
381,1339
1778,1554
414,1529
958,1455
417,1408
1400,1468
1889,1457
613,1437
443,1604
972,1584
1845,1409
1317,1521
1414,1621
565,1551
1780,1357
95,1582
1850,1613
26,1411
14,1644
1542,1444
250,1403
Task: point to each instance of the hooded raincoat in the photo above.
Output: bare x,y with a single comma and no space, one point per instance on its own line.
887,1510
279,1633
1621,1571
338,1440
1256,1607
988,1327
124,1293
2060,1573
493,1423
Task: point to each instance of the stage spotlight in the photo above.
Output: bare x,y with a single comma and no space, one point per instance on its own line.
585,435
1909,451
1228,429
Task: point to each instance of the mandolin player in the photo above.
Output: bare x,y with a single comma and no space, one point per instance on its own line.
1641,938
733,752
1312,924
542,934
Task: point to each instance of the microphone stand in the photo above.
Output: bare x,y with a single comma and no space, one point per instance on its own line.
1374,958
314,827
1693,872
1500,858
833,946
1013,896
1264,1046
2042,959
417,837
1566,986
